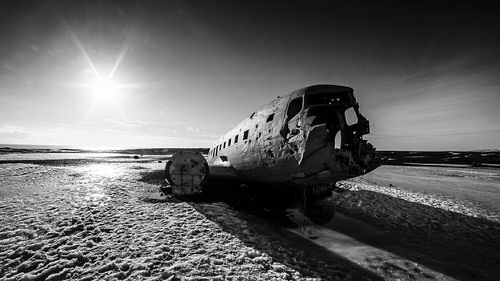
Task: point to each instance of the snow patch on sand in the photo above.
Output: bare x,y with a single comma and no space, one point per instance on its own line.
432,200
104,226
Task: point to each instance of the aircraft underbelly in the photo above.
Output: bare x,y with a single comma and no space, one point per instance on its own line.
227,173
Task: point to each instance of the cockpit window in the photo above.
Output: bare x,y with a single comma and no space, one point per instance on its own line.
327,98
351,117
294,108
323,115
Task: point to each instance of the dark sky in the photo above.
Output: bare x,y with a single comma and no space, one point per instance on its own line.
166,73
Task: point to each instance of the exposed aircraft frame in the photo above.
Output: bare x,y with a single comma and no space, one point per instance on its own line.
310,139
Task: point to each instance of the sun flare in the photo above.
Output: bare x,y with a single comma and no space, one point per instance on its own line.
105,89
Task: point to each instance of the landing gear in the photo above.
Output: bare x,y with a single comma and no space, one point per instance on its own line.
310,210
303,223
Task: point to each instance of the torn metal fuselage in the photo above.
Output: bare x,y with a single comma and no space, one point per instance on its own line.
330,147
312,137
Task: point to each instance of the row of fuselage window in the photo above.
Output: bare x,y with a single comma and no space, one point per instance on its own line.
215,150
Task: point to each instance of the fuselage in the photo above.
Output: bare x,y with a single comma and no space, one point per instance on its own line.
312,136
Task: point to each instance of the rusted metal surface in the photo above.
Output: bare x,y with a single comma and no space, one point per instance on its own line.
186,171
303,139
298,144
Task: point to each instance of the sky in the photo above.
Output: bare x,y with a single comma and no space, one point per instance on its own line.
123,74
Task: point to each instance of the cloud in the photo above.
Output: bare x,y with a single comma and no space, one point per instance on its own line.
193,129
12,133
123,124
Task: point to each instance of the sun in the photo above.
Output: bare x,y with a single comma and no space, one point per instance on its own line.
105,89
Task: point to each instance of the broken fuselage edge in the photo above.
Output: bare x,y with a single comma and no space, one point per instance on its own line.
303,138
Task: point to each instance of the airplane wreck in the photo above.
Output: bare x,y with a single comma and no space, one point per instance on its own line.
302,143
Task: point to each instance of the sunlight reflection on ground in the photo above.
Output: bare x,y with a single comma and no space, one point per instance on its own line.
96,194
105,170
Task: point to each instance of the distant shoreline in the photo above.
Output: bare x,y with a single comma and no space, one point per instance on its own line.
6,148
481,158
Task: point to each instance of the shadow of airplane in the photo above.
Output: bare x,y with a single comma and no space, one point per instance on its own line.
460,246
263,231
